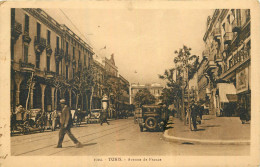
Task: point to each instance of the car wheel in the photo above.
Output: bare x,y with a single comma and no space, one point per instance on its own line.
141,129
151,123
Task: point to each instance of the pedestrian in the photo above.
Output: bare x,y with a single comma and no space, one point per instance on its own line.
103,117
194,113
20,114
242,113
66,123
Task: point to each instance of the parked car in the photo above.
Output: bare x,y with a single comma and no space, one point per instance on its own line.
94,116
153,117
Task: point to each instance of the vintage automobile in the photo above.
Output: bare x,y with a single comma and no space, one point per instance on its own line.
152,117
94,116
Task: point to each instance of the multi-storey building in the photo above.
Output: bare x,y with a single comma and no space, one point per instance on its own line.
227,47
110,66
155,89
45,57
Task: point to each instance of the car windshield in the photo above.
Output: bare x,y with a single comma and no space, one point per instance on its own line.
151,109
95,111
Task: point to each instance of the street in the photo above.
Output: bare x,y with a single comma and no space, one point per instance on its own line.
122,137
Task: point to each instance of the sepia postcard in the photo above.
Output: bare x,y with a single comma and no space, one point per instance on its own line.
129,83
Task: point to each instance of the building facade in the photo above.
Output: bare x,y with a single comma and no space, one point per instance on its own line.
45,57
228,51
155,89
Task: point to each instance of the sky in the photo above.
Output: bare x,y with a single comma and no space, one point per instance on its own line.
143,41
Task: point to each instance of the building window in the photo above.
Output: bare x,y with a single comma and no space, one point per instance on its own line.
25,53
85,60
12,26
57,67
67,72
38,30
48,63
37,60
57,42
48,37
67,48
73,53
26,24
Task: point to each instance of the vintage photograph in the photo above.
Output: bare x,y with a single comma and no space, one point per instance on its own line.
130,82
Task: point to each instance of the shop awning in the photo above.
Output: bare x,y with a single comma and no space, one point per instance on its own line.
224,90
232,97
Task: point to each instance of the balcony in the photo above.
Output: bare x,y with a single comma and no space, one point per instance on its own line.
39,44
48,49
26,38
228,37
80,65
218,57
16,30
49,74
58,54
210,65
26,67
67,58
74,62
236,26
205,53
216,34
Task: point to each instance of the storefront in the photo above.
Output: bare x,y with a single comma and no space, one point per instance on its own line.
226,99
243,75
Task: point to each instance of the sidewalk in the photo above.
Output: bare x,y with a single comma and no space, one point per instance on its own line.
213,130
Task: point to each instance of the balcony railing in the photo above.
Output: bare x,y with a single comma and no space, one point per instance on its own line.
58,54
39,44
27,67
205,53
26,37
236,27
16,31
50,74
48,49
218,57
228,36
210,65
216,33
67,58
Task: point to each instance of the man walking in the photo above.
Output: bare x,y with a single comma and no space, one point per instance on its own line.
66,123
103,117
194,112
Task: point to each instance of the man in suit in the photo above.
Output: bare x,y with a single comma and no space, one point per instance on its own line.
194,113
66,123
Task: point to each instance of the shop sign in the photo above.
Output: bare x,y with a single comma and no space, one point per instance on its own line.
242,80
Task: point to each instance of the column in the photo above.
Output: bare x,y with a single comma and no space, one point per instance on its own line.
43,91
18,80
52,98
31,95
70,97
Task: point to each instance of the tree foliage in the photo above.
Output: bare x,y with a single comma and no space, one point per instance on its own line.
174,77
143,97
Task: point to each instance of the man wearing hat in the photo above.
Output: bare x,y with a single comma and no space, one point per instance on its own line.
194,113
66,123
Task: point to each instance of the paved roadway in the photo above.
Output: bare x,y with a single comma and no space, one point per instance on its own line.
121,137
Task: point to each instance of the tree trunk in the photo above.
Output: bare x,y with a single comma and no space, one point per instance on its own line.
91,98
77,99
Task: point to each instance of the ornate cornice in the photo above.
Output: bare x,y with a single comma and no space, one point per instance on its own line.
43,19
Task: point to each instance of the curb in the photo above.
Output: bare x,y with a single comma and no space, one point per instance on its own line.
169,138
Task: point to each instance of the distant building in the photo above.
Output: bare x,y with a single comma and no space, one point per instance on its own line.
155,89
